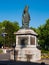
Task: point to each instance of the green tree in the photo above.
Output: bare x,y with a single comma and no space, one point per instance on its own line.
10,28
46,34
43,32
1,38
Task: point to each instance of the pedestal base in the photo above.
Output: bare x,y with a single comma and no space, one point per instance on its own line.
27,54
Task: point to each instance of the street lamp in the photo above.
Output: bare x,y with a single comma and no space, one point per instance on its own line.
4,34
14,45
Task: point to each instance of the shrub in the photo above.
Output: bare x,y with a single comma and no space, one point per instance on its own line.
1,51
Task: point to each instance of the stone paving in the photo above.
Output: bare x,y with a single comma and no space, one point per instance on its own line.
5,56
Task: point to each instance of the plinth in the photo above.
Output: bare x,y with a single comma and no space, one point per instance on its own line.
26,46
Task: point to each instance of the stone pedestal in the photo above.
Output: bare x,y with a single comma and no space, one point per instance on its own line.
26,42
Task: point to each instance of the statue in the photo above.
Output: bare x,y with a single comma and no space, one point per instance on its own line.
25,18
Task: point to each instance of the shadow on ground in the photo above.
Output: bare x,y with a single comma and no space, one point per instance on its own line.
19,63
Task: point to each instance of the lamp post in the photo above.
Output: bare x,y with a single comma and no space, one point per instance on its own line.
4,34
14,45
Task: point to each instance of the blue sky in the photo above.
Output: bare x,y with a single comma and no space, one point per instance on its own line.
12,10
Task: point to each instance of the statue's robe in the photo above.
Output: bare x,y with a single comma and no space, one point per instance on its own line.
25,20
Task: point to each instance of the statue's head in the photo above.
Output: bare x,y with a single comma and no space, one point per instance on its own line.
26,9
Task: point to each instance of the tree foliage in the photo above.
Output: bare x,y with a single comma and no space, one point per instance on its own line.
43,32
43,35
8,28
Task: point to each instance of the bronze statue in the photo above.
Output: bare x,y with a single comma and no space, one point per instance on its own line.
25,18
